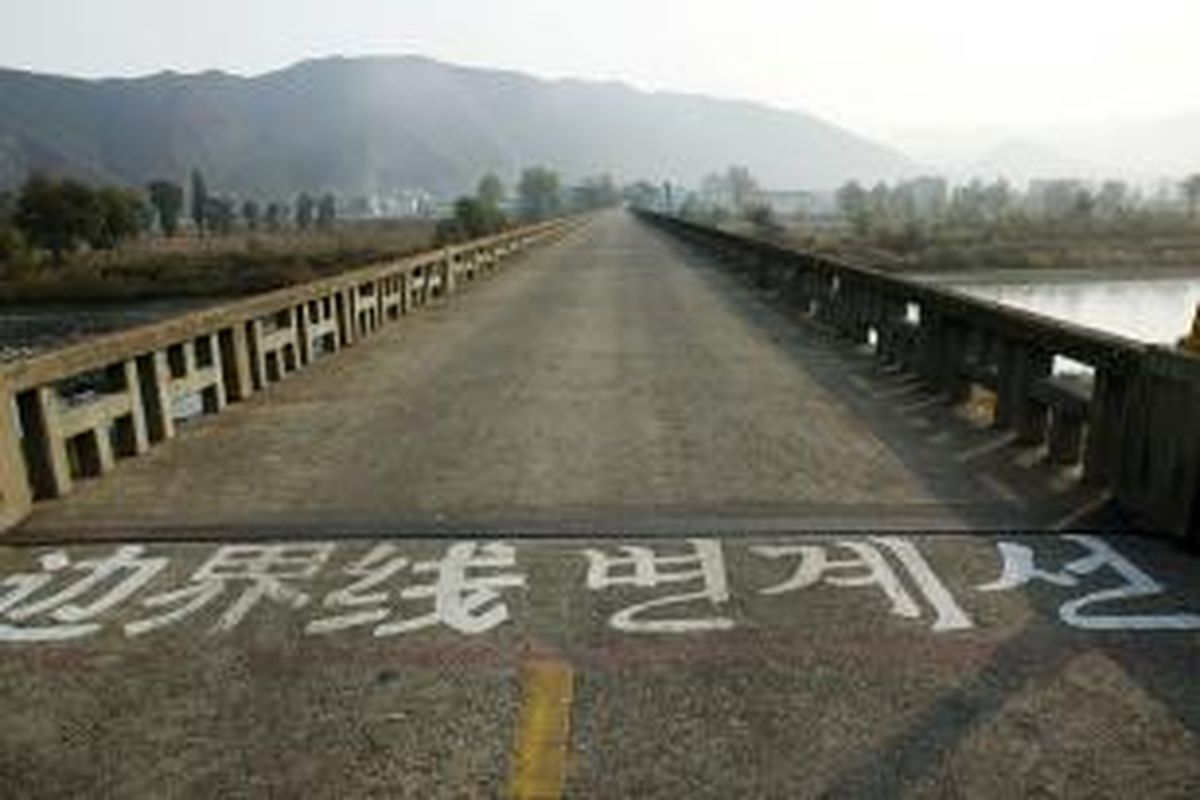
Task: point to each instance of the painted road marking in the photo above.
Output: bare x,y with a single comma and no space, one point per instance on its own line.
539,766
385,590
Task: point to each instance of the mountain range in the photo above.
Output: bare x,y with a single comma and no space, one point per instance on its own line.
386,124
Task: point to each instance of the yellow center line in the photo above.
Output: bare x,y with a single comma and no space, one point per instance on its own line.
539,761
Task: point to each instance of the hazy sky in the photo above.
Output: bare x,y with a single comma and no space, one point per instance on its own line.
878,66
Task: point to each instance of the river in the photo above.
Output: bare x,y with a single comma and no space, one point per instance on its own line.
1156,309
25,330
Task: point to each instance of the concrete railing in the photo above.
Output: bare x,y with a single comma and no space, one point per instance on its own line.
70,414
1133,423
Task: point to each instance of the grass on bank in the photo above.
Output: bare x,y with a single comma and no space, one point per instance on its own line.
967,250
154,268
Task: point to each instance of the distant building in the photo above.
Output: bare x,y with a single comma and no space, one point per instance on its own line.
397,203
802,203
928,195
1054,198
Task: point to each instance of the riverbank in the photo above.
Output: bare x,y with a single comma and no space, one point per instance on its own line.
29,329
44,305
1059,275
214,267
1104,254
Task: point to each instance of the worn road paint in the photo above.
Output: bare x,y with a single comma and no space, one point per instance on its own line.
539,760
66,596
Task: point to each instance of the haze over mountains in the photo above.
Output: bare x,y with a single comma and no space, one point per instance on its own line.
1142,151
385,124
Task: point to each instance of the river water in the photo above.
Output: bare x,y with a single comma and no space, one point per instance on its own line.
1157,310
25,330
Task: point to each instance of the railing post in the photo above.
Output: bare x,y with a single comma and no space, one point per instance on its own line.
892,316
347,316
797,286
1022,366
1065,438
952,361
258,358
219,395
1107,426
45,449
105,458
1159,474
928,361
16,496
823,293
761,266
447,265
303,323
154,386
138,441
855,323
235,363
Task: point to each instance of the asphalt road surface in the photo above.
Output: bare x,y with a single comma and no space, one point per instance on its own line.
613,376
609,524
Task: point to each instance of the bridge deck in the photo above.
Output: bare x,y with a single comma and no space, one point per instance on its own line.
612,378
610,381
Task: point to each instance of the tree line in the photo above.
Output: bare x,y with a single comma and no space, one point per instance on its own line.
60,215
914,212
213,214
734,194
911,213
539,195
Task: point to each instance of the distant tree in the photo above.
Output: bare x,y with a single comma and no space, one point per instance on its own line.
275,216
12,241
200,203
968,203
762,217
539,192
1083,207
471,217
122,214
490,195
1112,199
880,201
996,200
167,199
305,209
641,194
326,212
219,214
360,206
598,192
1191,192
57,215
743,189
490,190
692,208
714,191
854,203
250,215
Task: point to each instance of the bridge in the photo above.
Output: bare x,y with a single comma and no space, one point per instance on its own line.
901,529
